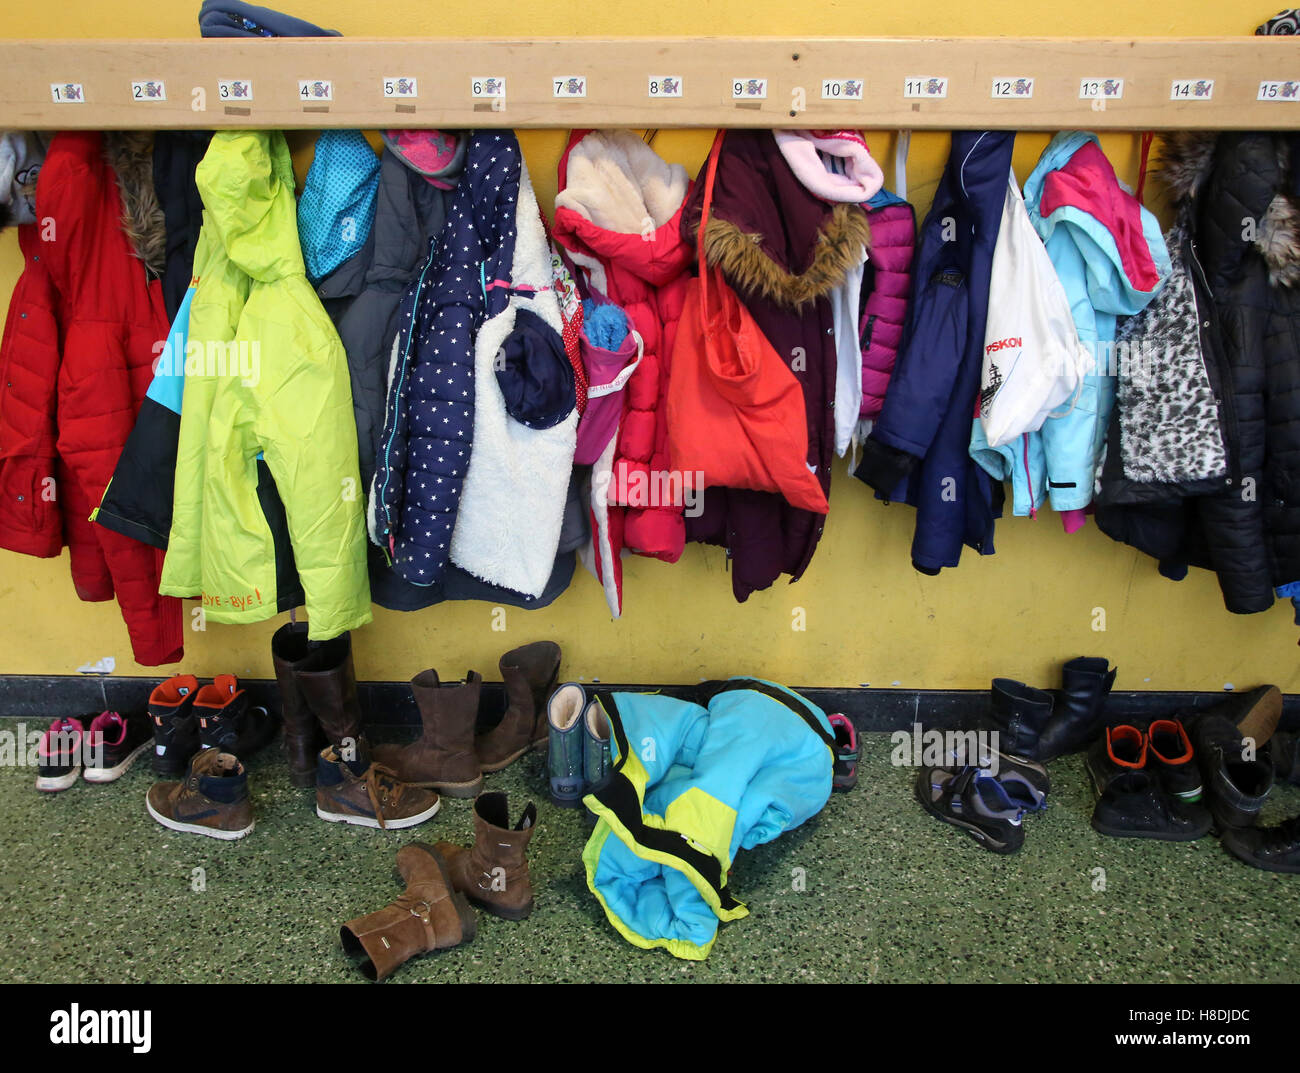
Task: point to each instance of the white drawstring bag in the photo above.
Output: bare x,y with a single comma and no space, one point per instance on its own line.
1033,359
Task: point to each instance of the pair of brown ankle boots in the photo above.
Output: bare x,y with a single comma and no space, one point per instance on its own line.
442,881
450,756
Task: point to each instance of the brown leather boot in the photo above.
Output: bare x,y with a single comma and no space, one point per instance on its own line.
367,794
529,673
443,758
303,739
328,685
428,915
493,874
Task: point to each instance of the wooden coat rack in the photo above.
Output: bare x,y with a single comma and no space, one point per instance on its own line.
871,83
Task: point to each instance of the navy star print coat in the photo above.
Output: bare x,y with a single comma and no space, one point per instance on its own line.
424,450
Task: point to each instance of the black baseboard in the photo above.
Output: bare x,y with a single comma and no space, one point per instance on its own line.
389,705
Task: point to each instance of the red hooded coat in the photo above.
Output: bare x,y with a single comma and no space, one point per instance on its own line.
84,325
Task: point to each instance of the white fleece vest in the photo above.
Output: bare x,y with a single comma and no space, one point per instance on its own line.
512,505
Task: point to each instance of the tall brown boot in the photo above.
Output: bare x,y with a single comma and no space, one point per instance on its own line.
443,758
493,873
529,673
328,684
303,739
428,915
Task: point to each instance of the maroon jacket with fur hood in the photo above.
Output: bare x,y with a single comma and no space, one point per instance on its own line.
784,251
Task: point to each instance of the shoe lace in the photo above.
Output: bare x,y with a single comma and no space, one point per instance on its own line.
383,788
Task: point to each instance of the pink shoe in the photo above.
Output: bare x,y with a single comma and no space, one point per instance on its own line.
846,752
58,757
113,743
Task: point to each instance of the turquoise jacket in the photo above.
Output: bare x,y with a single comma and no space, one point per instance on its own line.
691,787
1112,260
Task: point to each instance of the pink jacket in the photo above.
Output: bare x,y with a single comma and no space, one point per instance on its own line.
884,309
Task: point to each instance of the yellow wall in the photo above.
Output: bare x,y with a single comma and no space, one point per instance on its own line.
869,617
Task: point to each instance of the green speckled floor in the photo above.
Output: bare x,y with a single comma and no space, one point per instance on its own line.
93,890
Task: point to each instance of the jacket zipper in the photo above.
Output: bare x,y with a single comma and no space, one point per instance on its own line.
1226,400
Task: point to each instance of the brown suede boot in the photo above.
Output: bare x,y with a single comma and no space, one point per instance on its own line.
303,739
328,685
493,873
529,673
443,758
428,915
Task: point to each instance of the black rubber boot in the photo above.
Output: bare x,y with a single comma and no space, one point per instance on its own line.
1018,713
1079,713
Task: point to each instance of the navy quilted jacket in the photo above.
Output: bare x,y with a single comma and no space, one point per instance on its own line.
424,449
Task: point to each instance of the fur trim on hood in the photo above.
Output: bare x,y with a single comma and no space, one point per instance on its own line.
620,184
1186,158
130,154
750,270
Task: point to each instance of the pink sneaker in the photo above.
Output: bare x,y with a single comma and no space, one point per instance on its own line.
113,743
58,757
846,752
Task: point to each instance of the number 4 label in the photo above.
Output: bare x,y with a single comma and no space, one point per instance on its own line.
313,90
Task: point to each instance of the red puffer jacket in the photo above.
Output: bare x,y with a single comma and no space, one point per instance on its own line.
84,325
617,215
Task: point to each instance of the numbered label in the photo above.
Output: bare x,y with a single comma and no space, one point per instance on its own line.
748,89
925,86
235,89
1103,89
1019,89
569,86
403,88
315,90
1279,91
487,87
842,89
664,86
1191,89
148,90
68,92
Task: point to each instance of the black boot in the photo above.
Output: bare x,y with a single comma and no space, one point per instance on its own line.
1286,757
1236,780
1018,713
1079,711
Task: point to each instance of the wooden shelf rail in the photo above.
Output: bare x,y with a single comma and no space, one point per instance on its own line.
871,83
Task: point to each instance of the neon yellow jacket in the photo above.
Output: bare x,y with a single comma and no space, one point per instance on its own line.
265,373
